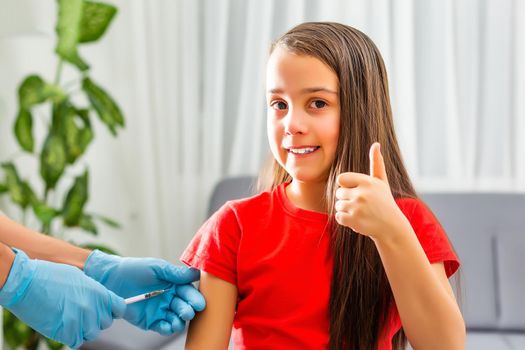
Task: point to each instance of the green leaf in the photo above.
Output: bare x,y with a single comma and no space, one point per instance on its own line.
66,121
30,91
104,105
68,31
86,134
96,18
59,109
35,90
70,133
3,188
24,129
107,221
18,190
43,212
85,137
28,191
83,113
87,224
100,247
14,184
75,200
52,159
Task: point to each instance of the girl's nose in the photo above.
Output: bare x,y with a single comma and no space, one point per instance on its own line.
295,123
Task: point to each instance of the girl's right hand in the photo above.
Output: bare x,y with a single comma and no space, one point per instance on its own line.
365,202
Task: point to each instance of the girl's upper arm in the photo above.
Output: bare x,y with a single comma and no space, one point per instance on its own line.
211,328
439,271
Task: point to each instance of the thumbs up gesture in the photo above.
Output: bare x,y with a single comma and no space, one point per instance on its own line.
365,202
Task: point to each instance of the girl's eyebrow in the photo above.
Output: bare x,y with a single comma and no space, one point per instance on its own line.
305,90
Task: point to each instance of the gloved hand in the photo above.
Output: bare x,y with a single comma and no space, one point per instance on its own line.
58,300
166,313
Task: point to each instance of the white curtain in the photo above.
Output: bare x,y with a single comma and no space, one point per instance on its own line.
189,76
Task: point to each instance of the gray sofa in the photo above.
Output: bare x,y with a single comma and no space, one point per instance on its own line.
488,233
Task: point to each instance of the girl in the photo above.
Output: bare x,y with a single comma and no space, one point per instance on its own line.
338,252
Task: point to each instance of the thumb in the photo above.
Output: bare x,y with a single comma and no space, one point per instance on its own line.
377,164
118,306
180,274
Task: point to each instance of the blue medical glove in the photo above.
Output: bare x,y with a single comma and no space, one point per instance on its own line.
58,300
167,313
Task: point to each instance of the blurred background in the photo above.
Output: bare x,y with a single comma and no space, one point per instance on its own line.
188,76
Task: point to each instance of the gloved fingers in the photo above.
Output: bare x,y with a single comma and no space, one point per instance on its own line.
72,343
178,325
170,315
117,304
76,345
182,309
162,327
179,274
106,321
192,296
91,334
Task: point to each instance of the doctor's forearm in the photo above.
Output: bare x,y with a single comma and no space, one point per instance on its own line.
39,246
7,256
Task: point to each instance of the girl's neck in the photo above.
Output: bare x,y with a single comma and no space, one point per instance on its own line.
308,196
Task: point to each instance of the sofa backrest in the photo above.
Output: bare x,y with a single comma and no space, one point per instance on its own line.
487,231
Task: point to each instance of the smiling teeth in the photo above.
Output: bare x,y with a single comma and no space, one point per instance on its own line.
302,150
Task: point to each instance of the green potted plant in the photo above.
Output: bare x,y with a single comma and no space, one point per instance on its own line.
68,133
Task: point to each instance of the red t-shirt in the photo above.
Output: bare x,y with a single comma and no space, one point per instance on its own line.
278,257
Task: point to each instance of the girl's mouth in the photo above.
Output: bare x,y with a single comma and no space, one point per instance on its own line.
300,151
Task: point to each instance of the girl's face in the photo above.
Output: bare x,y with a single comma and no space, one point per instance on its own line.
303,114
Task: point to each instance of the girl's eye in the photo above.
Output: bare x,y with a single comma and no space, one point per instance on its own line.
318,104
279,105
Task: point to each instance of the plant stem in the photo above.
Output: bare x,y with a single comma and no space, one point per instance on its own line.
72,83
45,228
34,340
59,71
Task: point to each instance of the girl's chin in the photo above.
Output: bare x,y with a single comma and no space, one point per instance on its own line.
307,177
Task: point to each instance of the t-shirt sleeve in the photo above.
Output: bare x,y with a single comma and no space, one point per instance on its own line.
431,235
214,247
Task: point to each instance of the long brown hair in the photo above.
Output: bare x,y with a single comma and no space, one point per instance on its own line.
361,296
